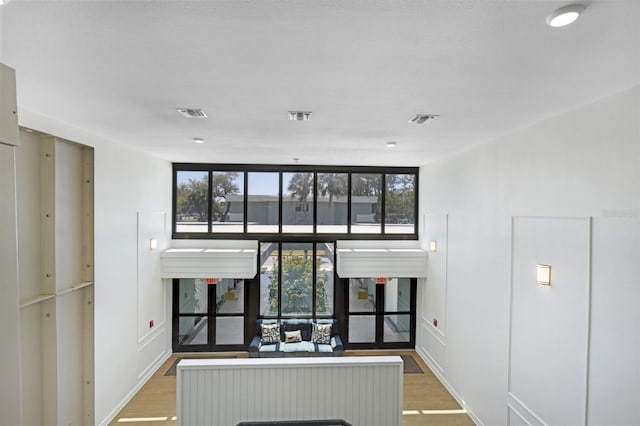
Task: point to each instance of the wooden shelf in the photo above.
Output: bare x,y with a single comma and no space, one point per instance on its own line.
74,288
36,299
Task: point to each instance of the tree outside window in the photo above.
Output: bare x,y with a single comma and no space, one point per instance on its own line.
297,282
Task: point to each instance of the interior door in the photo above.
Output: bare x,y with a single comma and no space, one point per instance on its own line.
381,312
208,314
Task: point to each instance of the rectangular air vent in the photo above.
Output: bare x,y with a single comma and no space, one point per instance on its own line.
423,118
299,115
192,112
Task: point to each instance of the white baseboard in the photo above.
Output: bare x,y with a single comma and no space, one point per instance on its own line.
436,371
141,382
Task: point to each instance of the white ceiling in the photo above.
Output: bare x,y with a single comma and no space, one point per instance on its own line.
120,69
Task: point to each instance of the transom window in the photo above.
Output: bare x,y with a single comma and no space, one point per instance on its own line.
314,203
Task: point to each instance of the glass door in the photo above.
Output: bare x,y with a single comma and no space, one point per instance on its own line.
208,314
381,312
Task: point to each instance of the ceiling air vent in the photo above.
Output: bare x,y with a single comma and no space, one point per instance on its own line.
192,112
423,118
299,115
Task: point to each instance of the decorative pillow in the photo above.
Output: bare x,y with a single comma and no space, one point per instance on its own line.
292,336
270,333
321,334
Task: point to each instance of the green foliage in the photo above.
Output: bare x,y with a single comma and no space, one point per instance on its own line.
191,200
333,184
368,185
223,184
297,286
301,187
400,198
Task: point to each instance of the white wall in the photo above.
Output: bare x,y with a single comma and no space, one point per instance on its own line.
128,185
583,163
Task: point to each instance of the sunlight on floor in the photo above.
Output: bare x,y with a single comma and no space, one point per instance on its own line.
145,419
414,412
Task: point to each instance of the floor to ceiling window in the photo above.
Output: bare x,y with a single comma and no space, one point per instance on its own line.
296,280
297,213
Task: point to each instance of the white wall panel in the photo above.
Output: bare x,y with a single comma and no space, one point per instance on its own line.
151,289
581,163
151,351
126,182
550,324
433,345
210,263
614,382
515,418
361,390
434,296
402,259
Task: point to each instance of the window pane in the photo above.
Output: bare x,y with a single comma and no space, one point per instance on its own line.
324,279
269,279
297,202
262,207
396,328
229,330
192,296
297,279
397,295
228,202
192,189
362,295
192,330
366,191
332,203
399,204
230,296
362,328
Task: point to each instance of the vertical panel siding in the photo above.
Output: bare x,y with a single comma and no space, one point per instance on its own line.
366,392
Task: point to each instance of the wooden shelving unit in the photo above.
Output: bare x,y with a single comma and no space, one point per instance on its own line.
55,262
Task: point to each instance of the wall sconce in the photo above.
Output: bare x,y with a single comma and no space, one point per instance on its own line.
153,244
433,246
544,274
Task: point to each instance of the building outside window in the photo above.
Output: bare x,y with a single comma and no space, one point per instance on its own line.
296,213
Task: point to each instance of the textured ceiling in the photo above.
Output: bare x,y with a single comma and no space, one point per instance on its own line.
120,69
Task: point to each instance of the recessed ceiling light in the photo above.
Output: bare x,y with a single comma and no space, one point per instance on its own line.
423,118
198,140
299,115
392,144
565,15
192,112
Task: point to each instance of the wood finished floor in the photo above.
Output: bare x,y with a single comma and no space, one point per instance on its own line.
424,398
